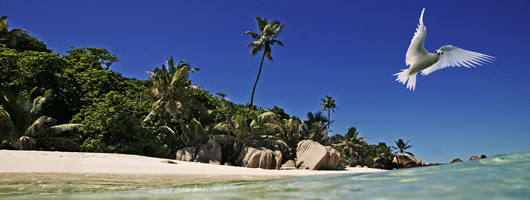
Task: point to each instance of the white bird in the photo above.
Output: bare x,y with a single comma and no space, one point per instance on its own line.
447,56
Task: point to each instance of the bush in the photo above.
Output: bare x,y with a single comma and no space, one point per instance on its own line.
113,124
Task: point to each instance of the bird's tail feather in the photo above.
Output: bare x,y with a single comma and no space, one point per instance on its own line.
405,77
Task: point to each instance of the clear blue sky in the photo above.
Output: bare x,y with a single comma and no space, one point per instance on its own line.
344,49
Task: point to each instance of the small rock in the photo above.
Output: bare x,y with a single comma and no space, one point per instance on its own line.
481,156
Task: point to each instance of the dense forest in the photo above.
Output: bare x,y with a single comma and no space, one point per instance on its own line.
75,102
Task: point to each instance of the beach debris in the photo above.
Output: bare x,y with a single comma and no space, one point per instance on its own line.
169,161
314,156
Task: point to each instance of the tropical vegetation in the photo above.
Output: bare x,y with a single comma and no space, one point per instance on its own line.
75,102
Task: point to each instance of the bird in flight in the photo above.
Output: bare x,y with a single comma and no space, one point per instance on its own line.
418,59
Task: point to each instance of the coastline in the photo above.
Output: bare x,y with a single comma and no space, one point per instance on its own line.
47,172
16,161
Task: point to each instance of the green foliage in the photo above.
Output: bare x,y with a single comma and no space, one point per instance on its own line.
89,57
174,93
19,39
23,126
113,124
280,113
352,147
26,70
314,128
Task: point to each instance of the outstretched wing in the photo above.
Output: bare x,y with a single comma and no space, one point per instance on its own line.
416,49
457,57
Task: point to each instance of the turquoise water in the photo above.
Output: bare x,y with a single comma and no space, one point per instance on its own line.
502,177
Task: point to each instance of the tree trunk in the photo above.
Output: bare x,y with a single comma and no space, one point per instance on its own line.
257,78
329,118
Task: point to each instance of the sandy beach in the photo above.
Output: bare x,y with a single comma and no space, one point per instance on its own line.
78,162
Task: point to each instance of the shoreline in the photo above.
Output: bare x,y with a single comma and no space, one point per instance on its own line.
51,172
16,161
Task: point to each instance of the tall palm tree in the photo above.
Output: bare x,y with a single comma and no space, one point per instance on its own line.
328,104
264,41
21,122
352,146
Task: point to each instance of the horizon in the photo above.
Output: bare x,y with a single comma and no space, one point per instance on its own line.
346,50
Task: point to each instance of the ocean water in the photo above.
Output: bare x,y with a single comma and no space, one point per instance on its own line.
501,177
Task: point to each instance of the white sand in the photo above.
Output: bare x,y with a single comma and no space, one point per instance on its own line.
77,162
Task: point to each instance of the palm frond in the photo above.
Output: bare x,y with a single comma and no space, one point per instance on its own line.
58,129
6,125
167,130
277,42
253,35
25,143
39,126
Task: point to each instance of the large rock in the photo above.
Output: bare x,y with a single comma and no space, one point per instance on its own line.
404,160
481,156
260,157
186,154
209,153
230,148
314,156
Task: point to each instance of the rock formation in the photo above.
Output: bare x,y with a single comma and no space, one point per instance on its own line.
314,156
261,157
209,153
404,160
186,154
477,157
263,154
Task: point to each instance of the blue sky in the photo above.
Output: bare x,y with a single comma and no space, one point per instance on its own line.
348,50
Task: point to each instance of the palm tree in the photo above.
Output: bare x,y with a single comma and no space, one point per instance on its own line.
245,126
23,125
314,128
352,146
174,91
328,104
291,132
264,41
401,146
176,107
